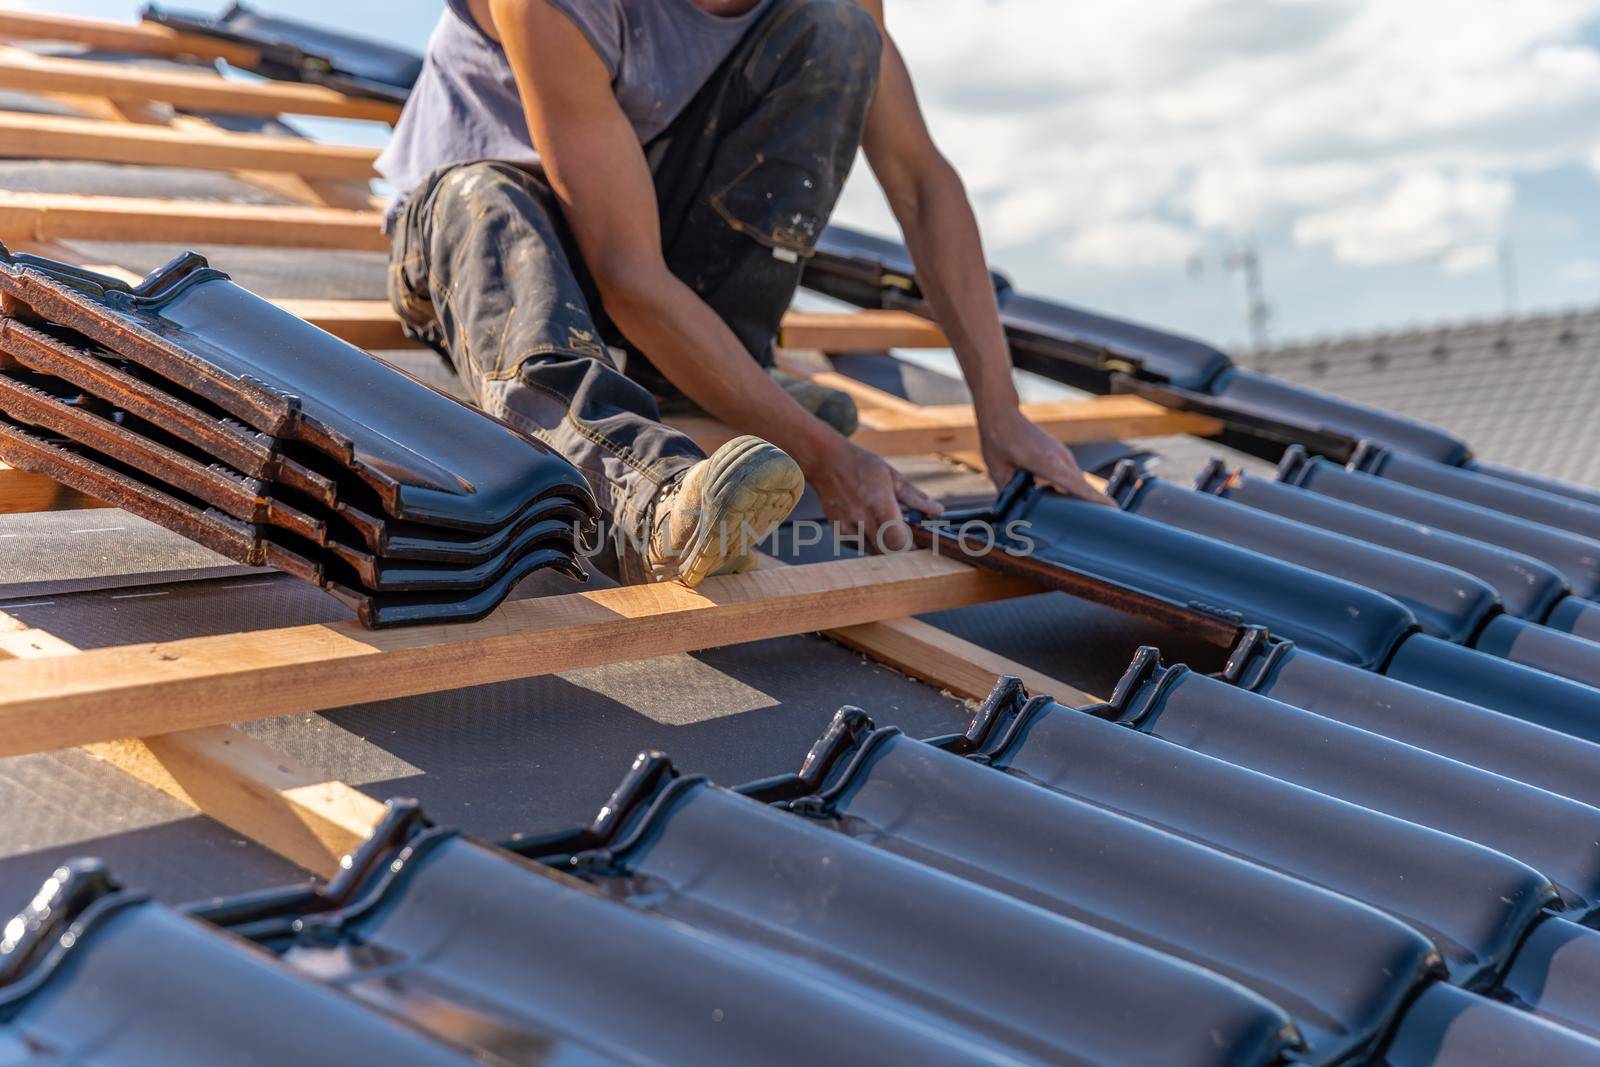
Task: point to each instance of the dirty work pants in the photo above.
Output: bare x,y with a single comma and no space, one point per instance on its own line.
485,270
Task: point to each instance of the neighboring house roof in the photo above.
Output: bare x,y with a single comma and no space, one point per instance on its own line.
1523,390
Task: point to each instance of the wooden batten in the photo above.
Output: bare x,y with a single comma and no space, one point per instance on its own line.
197,91
34,217
25,136
143,690
141,38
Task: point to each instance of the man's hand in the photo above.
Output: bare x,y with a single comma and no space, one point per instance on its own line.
860,492
1012,443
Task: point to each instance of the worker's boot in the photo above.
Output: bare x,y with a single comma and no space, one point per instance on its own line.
710,520
833,407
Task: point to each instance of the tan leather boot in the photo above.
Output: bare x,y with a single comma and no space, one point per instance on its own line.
710,520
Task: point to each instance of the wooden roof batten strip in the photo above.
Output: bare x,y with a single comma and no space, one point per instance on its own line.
142,690
138,38
198,91
24,136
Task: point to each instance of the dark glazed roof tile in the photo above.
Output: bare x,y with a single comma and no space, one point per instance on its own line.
1449,1028
1575,616
1471,733
1513,688
1528,588
1056,541
1542,647
1537,481
300,51
129,983
1316,413
1575,556
1538,506
1340,969
1102,354
1474,902
1556,835
193,403
1034,323
429,457
521,963
1446,602
97,371
1001,972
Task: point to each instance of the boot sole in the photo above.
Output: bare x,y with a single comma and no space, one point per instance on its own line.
755,488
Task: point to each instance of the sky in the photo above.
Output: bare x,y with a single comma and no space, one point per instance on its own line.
1386,163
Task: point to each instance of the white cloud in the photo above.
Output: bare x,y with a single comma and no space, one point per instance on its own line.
1464,259
1128,244
1583,271
1425,215
1122,135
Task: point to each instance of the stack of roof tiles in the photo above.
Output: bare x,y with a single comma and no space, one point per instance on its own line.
290,50
191,402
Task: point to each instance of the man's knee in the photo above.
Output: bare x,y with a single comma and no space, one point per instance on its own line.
493,213
839,39
472,191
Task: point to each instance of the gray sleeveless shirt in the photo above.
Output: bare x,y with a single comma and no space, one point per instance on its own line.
465,105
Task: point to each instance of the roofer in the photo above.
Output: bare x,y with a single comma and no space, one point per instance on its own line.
606,206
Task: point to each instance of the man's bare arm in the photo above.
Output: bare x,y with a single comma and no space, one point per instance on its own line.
935,215
599,174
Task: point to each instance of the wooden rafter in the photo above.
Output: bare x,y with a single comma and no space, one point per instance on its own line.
369,324
254,789
293,168
372,324
942,659
230,776
314,820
